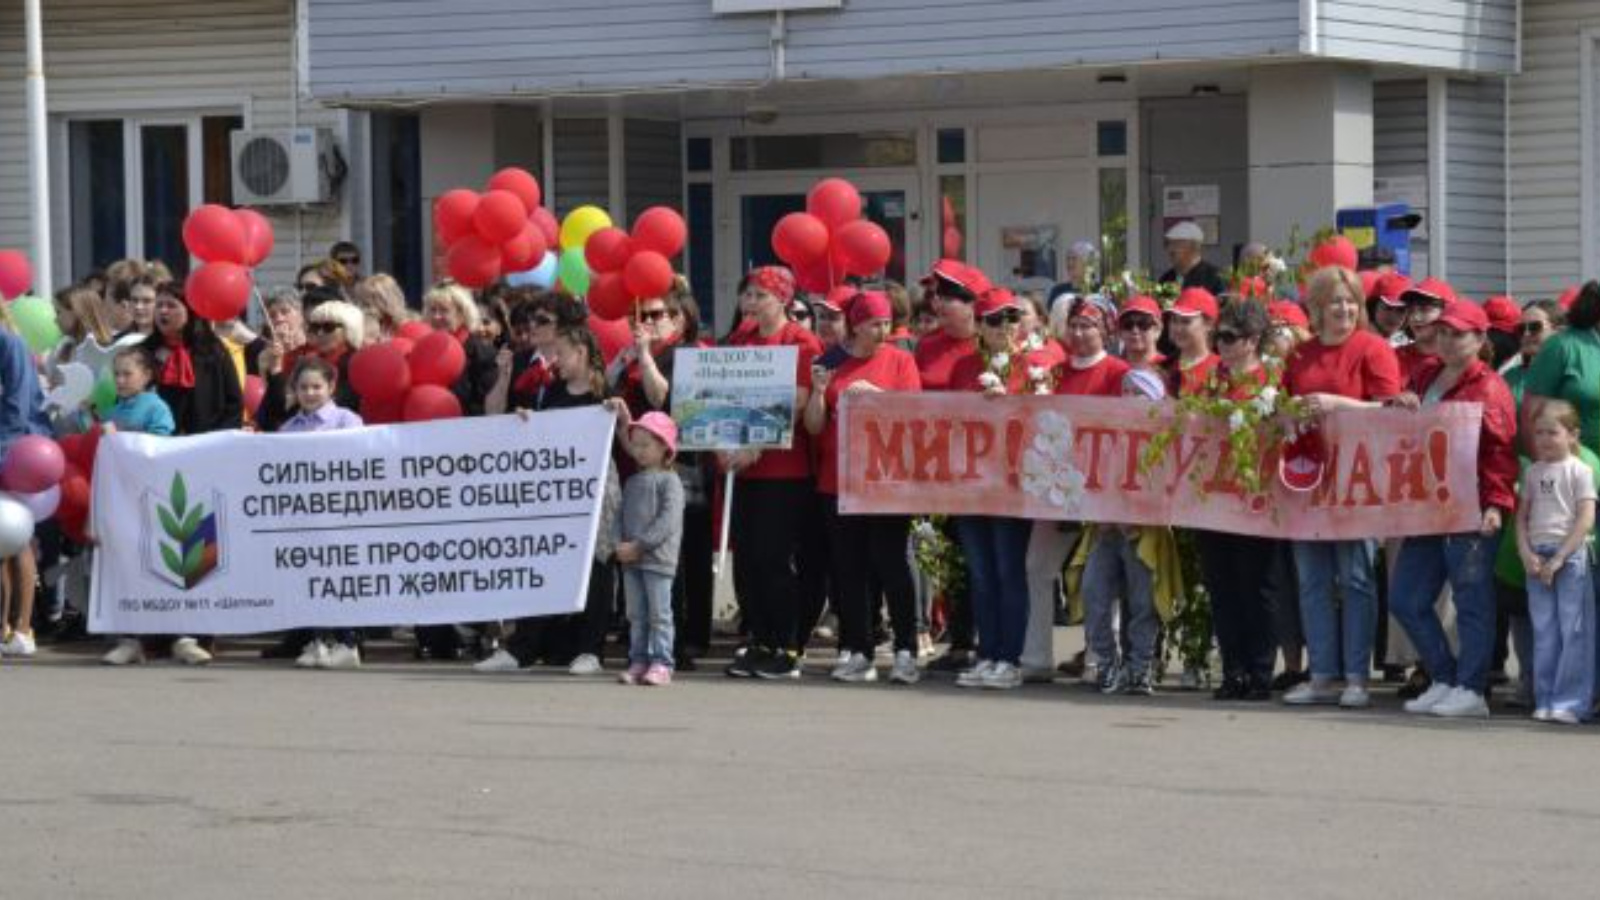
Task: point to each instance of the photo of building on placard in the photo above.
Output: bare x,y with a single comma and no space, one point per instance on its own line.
734,398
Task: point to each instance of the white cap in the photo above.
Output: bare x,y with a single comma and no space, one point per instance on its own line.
1186,231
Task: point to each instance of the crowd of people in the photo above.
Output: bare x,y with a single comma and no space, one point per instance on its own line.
1311,622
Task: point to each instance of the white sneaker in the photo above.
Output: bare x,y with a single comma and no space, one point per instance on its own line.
1002,677
314,656
904,670
342,656
500,661
1542,714
1310,693
1463,703
974,676
128,651
1430,698
1355,696
857,669
18,644
188,651
586,664
1564,717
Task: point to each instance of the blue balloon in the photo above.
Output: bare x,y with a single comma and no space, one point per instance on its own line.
542,276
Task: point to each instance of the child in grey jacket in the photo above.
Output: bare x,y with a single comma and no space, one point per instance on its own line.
652,530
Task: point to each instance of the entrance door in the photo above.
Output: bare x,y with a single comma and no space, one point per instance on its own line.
891,201
1028,218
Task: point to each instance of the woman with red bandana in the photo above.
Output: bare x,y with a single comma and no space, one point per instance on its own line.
869,547
772,486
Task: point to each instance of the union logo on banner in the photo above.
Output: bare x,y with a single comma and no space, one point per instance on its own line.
183,536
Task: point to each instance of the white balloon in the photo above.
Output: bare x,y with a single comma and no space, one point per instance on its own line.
16,527
77,383
42,505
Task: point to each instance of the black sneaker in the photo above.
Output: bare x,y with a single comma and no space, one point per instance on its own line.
1257,688
1233,687
745,664
1139,684
778,666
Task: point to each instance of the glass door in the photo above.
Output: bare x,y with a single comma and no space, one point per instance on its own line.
168,180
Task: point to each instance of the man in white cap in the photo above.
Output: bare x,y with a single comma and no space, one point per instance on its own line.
1184,241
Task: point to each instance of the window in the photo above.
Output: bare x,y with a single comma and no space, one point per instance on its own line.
952,146
823,151
397,219
702,262
1113,221
698,151
1112,138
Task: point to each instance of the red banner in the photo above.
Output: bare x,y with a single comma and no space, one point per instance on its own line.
1387,473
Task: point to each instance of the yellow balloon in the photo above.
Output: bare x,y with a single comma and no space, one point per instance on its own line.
580,223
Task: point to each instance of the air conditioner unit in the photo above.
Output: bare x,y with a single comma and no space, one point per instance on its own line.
283,166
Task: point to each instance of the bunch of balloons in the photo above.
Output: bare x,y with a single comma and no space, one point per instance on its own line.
633,267
230,242
408,378
35,475
503,230
830,240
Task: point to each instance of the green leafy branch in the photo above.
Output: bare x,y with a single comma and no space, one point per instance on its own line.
180,521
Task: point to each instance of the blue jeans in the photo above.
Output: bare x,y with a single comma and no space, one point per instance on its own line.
1421,569
649,597
1320,568
1115,570
997,571
1562,615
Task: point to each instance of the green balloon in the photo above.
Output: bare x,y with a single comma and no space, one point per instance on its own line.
574,271
104,395
36,322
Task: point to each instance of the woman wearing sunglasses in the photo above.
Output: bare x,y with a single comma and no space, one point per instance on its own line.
996,547
333,334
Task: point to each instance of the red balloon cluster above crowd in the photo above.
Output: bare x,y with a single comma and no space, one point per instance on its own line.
502,230
632,267
408,378
830,240
230,242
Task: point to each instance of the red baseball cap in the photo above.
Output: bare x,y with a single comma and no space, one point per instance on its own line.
954,271
1464,315
994,300
1139,303
1288,312
1435,289
1390,288
1196,302
1504,313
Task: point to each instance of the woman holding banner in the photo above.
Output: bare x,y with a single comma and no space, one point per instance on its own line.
1426,563
865,546
1345,366
773,486
996,547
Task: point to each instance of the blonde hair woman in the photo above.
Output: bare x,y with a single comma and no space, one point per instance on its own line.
384,303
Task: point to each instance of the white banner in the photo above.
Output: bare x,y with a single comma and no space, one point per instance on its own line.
451,521
734,398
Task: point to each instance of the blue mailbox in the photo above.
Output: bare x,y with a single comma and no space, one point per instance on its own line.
1387,226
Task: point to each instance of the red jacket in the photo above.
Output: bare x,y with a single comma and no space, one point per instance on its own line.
1497,451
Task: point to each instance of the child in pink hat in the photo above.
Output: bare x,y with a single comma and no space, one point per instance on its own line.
652,531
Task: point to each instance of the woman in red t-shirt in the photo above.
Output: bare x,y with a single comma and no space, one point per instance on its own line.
773,486
1089,369
1189,324
864,547
996,547
1345,366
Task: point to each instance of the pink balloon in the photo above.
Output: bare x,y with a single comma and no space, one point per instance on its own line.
34,464
16,275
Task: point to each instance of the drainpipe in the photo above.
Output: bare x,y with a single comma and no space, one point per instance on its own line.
779,35
38,151
1310,28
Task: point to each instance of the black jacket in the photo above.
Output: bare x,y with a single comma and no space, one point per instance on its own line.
215,403
478,378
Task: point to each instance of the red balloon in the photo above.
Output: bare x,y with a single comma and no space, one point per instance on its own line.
72,513
437,360
380,372
951,245
834,201
800,238
254,390
453,214
413,330
609,297
404,345
219,291
16,275
474,261
72,446
613,334
863,247
524,251
546,220
499,217
1335,251
608,250
214,234
814,278
258,239
661,229
519,182
427,402
383,412
34,463
648,274
88,452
